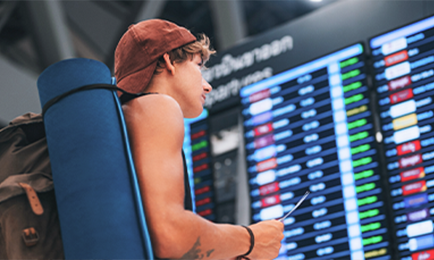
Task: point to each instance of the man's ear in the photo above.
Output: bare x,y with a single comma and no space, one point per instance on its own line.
169,66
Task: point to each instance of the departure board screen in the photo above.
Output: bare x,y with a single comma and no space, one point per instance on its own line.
403,62
197,154
310,128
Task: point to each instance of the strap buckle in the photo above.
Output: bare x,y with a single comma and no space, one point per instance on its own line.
30,236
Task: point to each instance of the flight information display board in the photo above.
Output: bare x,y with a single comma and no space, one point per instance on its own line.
310,128
198,159
403,62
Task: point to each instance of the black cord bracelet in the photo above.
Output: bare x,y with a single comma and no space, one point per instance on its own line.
252,241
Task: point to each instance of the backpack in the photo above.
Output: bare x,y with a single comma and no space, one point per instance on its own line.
29,223
98,213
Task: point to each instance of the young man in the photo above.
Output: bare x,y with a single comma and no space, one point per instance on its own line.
161,58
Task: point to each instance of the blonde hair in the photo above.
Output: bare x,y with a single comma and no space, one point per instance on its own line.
181,54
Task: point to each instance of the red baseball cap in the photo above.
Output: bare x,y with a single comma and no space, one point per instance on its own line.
140,47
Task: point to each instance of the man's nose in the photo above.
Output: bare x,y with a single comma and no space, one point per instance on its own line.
206,86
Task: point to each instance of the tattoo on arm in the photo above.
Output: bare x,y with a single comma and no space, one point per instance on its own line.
196,252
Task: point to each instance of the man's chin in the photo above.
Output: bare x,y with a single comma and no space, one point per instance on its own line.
194,114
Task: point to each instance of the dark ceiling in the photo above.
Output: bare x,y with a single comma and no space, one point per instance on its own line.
92,28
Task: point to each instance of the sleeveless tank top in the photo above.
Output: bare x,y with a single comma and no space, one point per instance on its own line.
188,201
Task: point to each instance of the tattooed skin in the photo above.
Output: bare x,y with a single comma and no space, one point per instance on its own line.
195,252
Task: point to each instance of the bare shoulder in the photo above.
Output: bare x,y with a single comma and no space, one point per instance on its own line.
157,114
155,103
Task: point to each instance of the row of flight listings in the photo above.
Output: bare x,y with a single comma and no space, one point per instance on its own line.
312,128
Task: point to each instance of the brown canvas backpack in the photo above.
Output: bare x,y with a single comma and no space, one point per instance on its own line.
29,224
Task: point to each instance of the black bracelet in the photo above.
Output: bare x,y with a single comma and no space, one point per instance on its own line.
252,241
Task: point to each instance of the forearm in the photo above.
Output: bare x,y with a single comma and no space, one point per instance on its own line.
190,236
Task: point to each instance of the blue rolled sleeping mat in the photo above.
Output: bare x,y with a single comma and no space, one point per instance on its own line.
100,209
